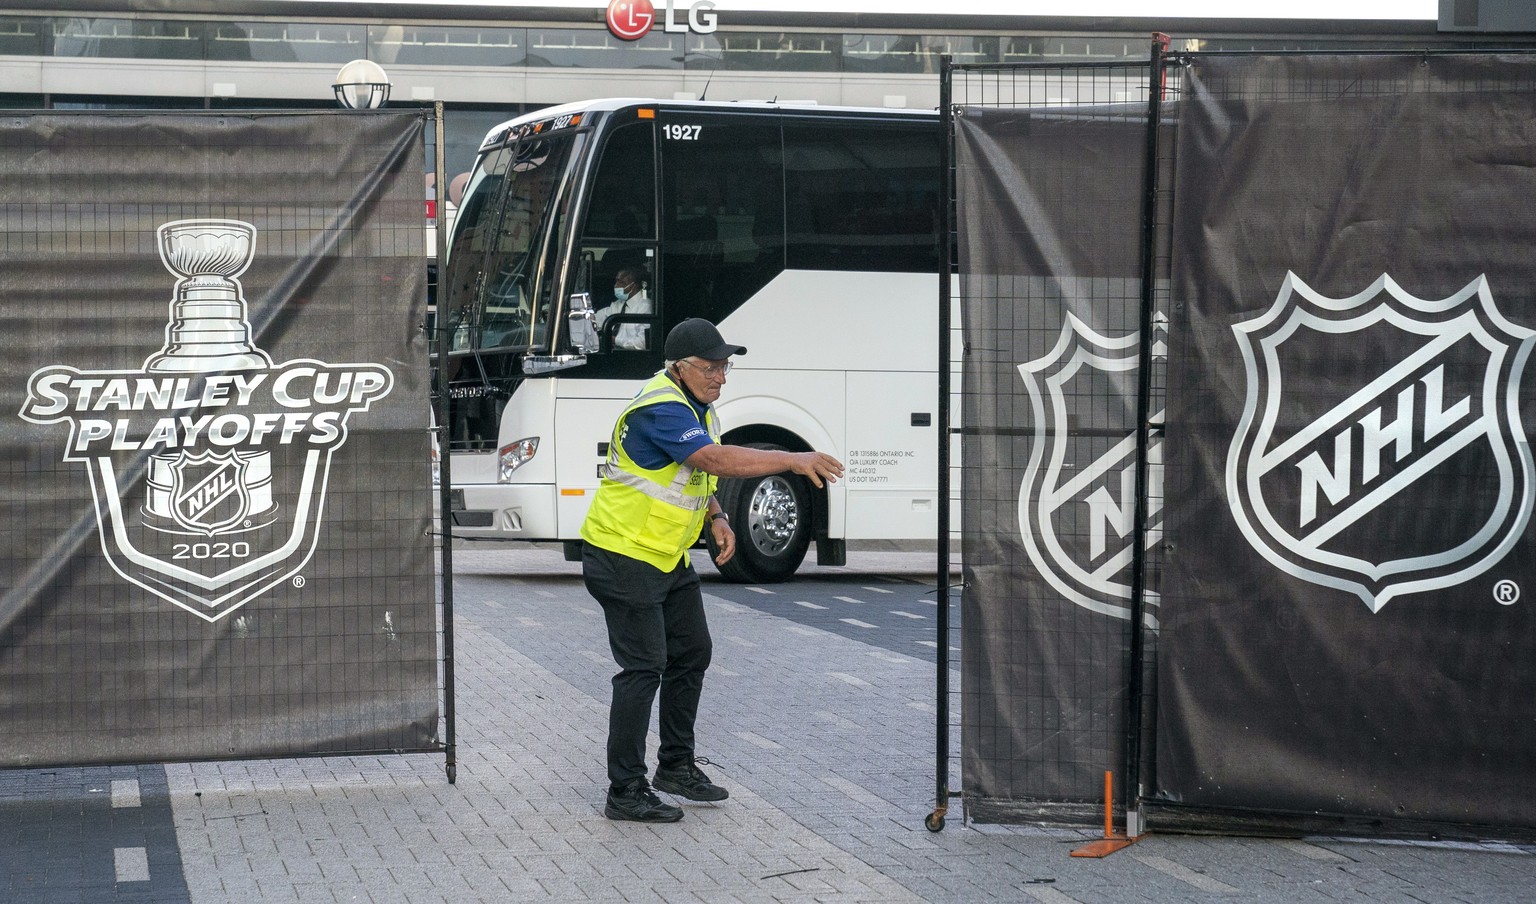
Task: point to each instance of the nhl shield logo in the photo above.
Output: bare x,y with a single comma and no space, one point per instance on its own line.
1380,451
209,492
1077,500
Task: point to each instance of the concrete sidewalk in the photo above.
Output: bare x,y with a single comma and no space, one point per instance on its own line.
825,743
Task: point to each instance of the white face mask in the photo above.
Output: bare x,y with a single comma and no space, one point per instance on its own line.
620,295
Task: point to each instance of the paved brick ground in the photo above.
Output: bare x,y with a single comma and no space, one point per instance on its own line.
825,742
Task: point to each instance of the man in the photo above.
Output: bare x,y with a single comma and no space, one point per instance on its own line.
656,495
629,297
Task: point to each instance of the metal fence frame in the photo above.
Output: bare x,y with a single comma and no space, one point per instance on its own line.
1164,69
1131,786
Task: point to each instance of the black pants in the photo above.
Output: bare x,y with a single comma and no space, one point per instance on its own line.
660,640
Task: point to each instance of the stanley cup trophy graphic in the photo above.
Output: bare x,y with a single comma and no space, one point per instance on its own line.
208,333
208,465
208,330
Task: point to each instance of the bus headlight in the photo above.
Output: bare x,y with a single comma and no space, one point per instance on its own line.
510,458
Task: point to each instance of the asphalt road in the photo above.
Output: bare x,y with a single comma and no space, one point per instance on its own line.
896,611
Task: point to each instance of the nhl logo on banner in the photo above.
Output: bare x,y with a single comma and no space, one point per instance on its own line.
209,464
210,493
1077,501
1380,450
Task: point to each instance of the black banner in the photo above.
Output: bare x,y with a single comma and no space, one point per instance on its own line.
215,498
1347,623
1050,206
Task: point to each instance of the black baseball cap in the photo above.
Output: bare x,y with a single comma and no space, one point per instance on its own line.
698,338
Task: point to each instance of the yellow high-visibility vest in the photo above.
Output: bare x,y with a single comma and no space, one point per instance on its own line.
650,515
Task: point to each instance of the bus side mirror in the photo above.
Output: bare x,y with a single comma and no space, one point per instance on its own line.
582,332
582,322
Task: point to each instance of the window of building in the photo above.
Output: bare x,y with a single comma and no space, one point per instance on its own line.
591,48
24,36
443,45
128,38
766,51
913,53
287,42
119,102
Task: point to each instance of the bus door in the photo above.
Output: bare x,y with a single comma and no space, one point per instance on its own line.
615,258
613,264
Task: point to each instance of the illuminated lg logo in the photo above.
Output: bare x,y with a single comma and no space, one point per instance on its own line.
631,20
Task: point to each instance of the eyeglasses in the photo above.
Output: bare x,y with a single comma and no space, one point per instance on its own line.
709,370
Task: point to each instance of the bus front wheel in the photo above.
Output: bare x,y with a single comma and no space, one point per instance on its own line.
772,519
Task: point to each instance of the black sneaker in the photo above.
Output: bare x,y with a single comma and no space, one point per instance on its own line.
636,802
689,781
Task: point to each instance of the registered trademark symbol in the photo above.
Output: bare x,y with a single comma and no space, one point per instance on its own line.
1506,593
298,580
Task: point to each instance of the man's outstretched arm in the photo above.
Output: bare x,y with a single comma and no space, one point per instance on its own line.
740,461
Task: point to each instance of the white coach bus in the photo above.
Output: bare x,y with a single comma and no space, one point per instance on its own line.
810,235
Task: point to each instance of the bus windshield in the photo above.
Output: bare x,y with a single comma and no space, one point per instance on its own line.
501,264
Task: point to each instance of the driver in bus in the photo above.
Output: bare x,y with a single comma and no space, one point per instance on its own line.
629,297
657,494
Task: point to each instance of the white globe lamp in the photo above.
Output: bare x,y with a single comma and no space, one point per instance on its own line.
362,85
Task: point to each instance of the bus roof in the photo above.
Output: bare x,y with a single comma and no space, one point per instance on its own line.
611,104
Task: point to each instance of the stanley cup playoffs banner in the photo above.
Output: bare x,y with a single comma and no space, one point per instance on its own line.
214,490
1347,616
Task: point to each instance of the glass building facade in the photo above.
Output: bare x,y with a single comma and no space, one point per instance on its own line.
496,46
486,72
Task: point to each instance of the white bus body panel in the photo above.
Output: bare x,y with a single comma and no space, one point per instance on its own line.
838,320
582,424
890,464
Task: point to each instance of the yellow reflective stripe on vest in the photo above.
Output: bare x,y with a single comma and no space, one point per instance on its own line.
672,495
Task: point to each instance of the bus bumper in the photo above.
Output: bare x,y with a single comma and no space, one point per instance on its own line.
494,511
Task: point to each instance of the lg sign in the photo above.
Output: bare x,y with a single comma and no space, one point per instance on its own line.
631,20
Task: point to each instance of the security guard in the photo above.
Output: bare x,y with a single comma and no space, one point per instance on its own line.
657,493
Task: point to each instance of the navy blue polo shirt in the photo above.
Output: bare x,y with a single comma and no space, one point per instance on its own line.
658,435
